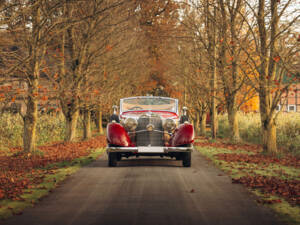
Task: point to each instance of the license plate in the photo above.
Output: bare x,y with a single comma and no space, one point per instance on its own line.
145,149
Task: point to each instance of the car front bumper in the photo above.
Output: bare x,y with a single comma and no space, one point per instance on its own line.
149,150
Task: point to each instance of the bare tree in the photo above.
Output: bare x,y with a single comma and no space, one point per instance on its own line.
272,60
29,24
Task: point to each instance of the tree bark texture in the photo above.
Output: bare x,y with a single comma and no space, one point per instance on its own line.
36,51
197,122
71,113
267,74
211,35
87,124
233,124
203,124
268,124
71,124
30,118
99,125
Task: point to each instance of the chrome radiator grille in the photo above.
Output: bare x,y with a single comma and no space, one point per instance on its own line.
152,138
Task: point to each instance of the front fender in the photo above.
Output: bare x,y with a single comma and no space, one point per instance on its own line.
117,135
183,135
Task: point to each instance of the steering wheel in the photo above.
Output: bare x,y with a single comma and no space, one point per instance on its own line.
136,108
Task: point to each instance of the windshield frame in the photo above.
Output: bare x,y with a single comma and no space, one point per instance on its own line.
155,97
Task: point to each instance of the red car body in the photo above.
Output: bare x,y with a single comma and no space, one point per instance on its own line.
143,130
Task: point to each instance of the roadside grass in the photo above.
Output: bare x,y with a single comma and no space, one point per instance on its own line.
50,128
242,171
53,175
288,130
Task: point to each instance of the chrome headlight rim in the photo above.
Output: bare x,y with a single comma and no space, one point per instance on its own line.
169,124
130,124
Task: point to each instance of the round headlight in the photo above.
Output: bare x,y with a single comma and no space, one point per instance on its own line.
130,124
169,125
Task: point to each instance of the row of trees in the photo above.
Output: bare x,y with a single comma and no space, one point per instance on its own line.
239,49
85,55
68,43
213,55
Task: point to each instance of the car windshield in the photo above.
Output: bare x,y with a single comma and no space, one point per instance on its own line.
148,103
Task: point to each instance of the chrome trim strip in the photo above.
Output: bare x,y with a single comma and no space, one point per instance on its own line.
135,149
140,131
176,103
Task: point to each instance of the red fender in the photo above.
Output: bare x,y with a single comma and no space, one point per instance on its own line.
183,135
117,135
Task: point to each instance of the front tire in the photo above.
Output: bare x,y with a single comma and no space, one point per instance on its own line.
186,159
112,159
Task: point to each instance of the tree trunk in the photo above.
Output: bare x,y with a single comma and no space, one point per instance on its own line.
268,124
203,124
99,121
71,124
71,113
214,121
87,124
197,121
37,53
211,36
266,74
269,137
30,118
234,125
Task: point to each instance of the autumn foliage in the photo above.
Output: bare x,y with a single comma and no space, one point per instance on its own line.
20,171
288,189
280,183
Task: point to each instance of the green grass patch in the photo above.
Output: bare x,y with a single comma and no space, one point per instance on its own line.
287,124
60,171
288,214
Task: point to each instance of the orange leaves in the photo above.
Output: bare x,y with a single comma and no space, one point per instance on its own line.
44,98
108,48
96,92
105,75
23,170
250,166
2,95
45,70
13,99
276,58
288,189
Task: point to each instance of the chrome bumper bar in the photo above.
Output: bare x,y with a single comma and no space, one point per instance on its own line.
152,149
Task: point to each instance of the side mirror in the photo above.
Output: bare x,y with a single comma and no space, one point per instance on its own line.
184,118
114,117
115,109
184,110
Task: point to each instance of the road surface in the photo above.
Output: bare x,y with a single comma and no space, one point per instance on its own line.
148,191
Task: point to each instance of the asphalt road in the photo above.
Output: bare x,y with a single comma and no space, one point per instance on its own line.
146,191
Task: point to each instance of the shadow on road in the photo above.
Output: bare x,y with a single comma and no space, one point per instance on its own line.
139,162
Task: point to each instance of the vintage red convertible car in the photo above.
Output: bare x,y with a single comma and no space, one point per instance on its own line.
149,126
